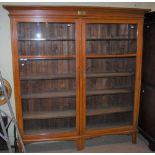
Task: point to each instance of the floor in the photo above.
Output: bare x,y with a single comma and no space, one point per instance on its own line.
104,144
108,144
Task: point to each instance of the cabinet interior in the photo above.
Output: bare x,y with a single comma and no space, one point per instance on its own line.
47,58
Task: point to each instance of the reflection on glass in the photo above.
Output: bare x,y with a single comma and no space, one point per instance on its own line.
38,35
111,38
37,39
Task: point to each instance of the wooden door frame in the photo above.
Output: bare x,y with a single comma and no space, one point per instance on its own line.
118,130
16,76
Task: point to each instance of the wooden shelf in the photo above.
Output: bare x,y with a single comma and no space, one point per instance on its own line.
47,77
95,56
73,56
108,125
119,109
118,74
71,76
71,39
49,95
72,113
108,91
90,56
45,39
110,39
24,58
89,128
48,130
73,94
51,114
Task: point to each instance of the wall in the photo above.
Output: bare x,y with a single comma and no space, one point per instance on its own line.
5,38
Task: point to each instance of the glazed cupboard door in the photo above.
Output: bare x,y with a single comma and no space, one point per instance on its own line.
109,77
48,72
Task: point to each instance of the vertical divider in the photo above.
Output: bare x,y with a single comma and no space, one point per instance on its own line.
77,60
83,75
81,141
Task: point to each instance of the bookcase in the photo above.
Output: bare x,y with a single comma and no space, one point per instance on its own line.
77,71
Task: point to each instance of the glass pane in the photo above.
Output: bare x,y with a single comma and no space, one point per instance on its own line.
48,91
46,39
110,92
110,65
111,38
48,85
46,67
